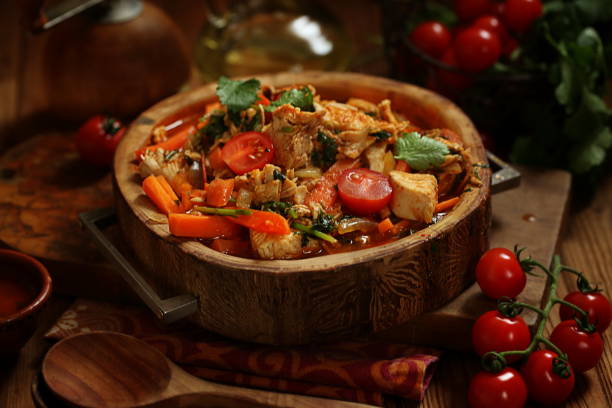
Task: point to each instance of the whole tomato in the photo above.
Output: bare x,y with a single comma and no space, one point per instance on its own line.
548,381
470,9
496,332
583,349
449,81
431,37
499,274
476,49
504,389
493,24
594,303
98,138
520,14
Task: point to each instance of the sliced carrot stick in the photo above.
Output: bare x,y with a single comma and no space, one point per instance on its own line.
219,191
446,205
175,142
158,194
263,221
385,226
216,160
186,196
202,226
401,165
236,247
166,186
179,183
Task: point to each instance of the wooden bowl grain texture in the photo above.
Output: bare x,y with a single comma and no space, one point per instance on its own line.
316,299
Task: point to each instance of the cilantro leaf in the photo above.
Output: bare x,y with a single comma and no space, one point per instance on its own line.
216,125
327,155
420,152
300,98
237,95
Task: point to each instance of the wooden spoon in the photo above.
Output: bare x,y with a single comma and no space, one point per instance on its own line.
106,369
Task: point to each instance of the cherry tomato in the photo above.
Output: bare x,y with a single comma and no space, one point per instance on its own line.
509,46
543,384
583,349
476,49
364,191
595,304
499,274
431,37
505,389
98,138
493,24
520,14
470,9
496,332
247,151
452,81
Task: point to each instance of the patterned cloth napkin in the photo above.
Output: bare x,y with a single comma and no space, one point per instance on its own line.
350,371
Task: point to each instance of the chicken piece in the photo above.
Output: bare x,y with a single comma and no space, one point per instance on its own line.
270,191
154,163
276,246
300,194
244,198
375,155
288,188
262,183
300,211
292,132
389,163
414,195
384,109
363,105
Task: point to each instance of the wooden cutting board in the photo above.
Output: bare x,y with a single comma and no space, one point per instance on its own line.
44,185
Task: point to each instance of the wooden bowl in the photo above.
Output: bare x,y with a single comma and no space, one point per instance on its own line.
17,328
315,299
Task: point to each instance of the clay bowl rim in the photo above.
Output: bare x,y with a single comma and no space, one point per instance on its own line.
127,181
45,283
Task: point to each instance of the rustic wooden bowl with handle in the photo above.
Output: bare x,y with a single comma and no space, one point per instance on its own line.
315,299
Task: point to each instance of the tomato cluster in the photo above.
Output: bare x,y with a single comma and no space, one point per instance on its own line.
488,31
544,376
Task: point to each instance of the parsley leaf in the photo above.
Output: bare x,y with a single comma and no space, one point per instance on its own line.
327,155
300,98
420,152
237,95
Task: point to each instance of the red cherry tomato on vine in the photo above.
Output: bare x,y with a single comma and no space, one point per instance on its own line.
504,389
493,24
431,37
470,9
595,304
499,274
544,384
583,349
98,138
364,191
520,14
496,332
247,151
476,49
449,80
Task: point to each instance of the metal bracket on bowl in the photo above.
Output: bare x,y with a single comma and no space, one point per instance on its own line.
168,310
505,177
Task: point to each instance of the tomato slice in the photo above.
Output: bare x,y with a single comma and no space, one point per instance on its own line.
248,151
364,191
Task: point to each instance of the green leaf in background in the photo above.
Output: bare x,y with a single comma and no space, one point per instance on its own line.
420,152
237,95
595,10
592,154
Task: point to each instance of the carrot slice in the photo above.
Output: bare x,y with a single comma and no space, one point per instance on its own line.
263,221
236,247
179,183
446,205
401,165
219,191
166,186
324,192
202,226
186,196
216,160
384,226
175,142
158,194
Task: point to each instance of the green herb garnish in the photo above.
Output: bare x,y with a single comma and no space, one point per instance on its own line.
232,212
215,128
381,135
237,95
420,152
311,231
300,98
327,155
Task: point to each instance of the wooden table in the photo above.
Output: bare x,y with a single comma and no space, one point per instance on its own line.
586,244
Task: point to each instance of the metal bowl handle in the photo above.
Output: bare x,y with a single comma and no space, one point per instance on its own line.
167,310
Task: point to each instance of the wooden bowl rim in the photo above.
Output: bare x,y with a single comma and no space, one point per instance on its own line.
45,284
140,129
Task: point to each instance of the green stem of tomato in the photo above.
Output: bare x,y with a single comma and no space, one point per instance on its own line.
530,307
571,270
538,338
570,305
